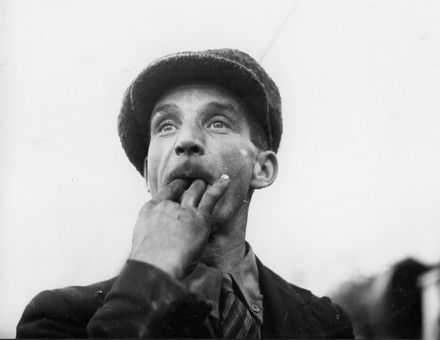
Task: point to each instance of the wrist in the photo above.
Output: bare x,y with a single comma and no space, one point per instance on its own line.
167,263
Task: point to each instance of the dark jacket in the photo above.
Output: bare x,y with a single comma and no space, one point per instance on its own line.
144,301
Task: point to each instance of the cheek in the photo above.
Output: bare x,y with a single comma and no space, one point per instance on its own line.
152,174
239,166
238,163
155,163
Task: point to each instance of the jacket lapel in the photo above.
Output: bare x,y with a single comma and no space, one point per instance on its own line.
283,306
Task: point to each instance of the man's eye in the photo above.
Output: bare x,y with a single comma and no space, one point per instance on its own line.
218,124
167,127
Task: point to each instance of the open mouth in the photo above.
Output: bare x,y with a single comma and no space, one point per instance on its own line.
187,178
190,174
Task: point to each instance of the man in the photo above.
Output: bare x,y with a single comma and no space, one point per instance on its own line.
203,128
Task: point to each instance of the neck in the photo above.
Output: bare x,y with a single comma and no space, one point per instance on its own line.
219,254
227,247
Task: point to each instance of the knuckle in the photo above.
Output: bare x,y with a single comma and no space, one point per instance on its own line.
212,195
185,210
199,183
163,205
168,204
217,189
152,202
208,218
145,207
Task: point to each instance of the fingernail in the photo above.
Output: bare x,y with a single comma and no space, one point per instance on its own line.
224,176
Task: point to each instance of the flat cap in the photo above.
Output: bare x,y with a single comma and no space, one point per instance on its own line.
229,68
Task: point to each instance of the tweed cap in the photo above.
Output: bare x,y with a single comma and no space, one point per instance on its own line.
229,68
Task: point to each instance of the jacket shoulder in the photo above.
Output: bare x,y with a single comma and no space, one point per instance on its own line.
333,321
301,313
324,316
62,312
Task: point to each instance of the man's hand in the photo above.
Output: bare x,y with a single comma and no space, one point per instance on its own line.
172,236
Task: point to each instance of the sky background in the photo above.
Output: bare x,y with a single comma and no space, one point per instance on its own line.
358,187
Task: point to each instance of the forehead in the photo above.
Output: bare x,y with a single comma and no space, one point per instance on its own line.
196,96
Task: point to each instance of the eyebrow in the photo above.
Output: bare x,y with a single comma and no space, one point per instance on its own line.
165,107
220,107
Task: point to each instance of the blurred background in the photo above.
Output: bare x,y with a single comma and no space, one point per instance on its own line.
358,193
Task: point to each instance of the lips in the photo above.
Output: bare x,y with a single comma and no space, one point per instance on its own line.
190,172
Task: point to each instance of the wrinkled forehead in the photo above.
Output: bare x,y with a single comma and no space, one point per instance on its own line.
197,96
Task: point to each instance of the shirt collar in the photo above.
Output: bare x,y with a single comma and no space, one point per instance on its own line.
207,282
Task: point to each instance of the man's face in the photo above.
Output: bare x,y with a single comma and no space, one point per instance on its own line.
202,131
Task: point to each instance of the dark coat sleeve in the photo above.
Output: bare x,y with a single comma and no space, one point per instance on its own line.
60,313
142,302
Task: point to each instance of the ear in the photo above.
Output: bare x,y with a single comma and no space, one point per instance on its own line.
146,173
265,169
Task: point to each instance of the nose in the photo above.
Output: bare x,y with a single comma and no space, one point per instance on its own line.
189,142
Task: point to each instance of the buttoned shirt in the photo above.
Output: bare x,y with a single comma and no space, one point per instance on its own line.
207,283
